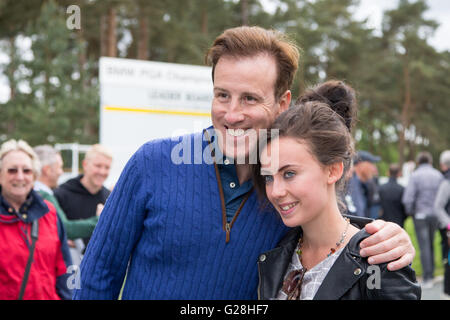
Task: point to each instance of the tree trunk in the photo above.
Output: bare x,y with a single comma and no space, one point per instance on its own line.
406,112
112,37
103,35
82,57
244,12
12,68
142,51
204,21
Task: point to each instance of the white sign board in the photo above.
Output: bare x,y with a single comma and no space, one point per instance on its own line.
145,100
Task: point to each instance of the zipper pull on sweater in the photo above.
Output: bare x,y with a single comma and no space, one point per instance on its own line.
227,229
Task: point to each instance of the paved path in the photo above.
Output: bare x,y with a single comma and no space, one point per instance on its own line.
435,293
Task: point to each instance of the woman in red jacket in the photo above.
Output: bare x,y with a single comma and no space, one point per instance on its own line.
33,250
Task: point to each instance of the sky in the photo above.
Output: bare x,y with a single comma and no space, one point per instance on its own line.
439,10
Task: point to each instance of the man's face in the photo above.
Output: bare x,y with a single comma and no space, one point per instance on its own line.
54,171
365,170
244,102
96,169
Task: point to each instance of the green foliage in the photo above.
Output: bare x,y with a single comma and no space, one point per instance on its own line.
49,110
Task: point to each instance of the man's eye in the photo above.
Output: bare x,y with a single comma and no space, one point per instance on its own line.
250,99
221,95
267,179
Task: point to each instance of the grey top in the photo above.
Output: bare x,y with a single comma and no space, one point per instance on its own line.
313,278
442,198
421,191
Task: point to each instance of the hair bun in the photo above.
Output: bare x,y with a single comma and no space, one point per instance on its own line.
339,96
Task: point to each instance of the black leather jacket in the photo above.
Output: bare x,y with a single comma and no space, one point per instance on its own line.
348,279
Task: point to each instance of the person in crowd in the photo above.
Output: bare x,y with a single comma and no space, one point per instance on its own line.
192,229
442,210
391,197
34,255
418,199
51,169
83,197
363,171
373,195
318,259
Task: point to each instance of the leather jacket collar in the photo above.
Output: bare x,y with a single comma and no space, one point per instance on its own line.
272,266
347,279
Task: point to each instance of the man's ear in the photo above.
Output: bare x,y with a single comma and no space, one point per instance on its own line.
335,172
83,164
285,101
45,169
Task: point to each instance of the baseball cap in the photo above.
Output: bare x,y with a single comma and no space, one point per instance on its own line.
365,156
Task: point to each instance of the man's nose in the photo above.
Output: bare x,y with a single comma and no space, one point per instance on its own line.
234,113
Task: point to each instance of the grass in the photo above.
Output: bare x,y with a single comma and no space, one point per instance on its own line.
416,265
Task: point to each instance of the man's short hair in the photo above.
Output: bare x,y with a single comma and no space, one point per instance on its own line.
46,154
424,157
445,158
248,41
394,170
98,149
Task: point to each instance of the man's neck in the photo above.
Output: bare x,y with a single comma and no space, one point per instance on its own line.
243,172
41,184
93,189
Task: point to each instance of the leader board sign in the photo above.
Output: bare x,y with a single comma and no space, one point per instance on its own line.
145,100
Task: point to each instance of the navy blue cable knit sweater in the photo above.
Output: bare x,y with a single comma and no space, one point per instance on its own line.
164,222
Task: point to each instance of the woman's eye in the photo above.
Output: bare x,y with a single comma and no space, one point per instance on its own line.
288,174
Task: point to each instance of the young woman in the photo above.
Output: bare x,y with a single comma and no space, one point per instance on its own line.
302,173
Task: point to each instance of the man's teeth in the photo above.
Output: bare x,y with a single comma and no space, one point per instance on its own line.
289,206
236,132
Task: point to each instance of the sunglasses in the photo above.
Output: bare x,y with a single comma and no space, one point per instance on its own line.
292,285
25,171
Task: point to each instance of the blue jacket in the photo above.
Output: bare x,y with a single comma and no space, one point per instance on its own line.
162,227
357,192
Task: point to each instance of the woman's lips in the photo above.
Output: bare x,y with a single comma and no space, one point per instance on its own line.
287,208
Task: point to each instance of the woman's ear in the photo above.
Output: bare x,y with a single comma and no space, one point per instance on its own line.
335,172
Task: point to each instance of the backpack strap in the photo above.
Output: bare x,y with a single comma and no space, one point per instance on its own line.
34,238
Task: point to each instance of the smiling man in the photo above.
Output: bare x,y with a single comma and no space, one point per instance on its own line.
80,197
195,231
244,103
